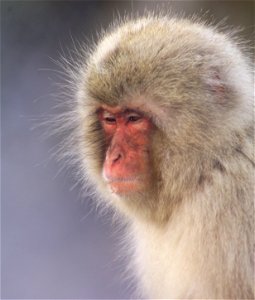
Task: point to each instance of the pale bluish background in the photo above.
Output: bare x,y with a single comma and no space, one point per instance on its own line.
52,247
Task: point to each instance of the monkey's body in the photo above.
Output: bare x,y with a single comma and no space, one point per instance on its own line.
205,249
189,189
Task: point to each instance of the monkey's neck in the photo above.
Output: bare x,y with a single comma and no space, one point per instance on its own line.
193,246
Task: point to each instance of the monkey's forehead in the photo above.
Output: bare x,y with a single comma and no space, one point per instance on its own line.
152,37
161,57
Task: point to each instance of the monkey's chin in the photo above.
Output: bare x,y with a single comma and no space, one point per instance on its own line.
126,187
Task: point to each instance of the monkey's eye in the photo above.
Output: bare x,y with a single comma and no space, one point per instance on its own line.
109,118
133,118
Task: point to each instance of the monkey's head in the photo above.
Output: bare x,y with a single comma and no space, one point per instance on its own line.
160,101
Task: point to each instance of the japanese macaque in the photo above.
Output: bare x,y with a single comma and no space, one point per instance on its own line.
166,137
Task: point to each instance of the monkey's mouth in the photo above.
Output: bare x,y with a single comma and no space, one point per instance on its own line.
125,185
130,179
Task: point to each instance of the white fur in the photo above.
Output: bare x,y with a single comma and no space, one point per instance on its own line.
195,240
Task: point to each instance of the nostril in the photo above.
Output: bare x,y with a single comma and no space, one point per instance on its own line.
114,154
116,157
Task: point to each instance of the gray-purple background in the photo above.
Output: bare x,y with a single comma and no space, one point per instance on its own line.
51,246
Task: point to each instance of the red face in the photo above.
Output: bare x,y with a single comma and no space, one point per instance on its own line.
126,166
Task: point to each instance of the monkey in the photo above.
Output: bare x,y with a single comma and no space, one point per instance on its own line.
165,137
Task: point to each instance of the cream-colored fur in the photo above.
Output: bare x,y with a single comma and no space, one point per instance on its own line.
193,229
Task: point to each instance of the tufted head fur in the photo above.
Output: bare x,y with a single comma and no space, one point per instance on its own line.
195,85
193,228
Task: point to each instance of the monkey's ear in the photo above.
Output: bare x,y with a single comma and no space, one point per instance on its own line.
216,85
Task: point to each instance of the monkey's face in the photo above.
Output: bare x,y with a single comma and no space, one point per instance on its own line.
126,163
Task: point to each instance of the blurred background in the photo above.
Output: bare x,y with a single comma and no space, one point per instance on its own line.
53,244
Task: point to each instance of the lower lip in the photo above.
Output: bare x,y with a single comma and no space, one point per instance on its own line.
125,186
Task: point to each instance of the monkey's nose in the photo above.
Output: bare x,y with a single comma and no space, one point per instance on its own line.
114,155
117,157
